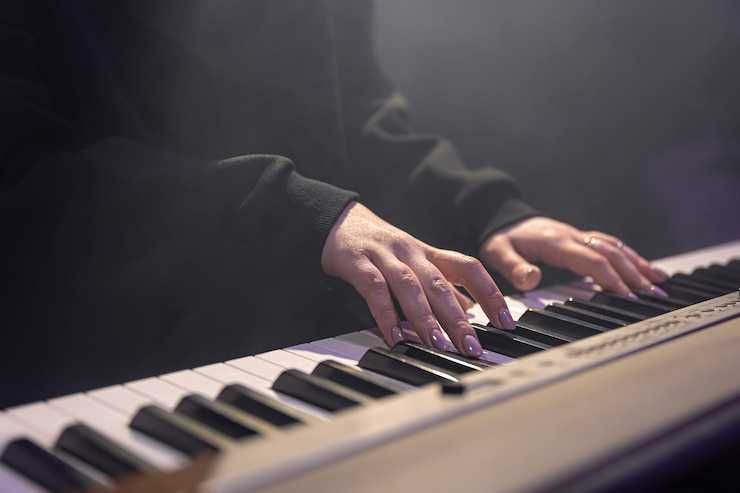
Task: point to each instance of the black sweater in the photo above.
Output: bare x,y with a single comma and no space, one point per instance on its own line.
171,169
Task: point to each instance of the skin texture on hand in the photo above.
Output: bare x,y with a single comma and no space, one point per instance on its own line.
383,262
609,262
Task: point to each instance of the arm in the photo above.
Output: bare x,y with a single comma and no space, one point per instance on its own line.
422,184
416,180
111,247
119,186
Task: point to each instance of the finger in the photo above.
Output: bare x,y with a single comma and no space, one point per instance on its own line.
464,301
586,262
454,321
405,286
654,274
367,279
624,266
503,257
468,272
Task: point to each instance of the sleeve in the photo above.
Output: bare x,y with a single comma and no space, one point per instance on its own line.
118,255
418,181
129,194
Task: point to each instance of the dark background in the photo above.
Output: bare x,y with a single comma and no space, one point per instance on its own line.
617,115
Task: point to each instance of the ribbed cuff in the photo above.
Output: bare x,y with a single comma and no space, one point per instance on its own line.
287,218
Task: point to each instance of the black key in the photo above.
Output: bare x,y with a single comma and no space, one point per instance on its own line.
723,272
317,391
684,280
173,430
506,343
714,274
688,294
436,358
694,282
208,413
586,316
646,308
706,278
44,468
259,405
560,324
671,301
403,368
624,315
352,378
101,452
544,337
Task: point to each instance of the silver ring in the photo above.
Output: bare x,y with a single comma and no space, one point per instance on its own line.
590,241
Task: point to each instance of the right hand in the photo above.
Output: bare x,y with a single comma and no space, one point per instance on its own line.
379,259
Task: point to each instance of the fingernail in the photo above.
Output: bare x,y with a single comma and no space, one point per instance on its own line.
659,292
631,295
396,335
439,340
471,346
504,317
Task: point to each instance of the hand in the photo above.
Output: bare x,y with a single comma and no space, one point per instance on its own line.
607,260
379,259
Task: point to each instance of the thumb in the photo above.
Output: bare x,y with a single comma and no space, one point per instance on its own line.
502,256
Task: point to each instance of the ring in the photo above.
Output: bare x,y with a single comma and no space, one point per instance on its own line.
620,244
590,241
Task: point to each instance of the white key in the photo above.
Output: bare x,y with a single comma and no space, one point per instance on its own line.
699,258
39,416
11,429
363,338
258,367
477,315
496,357
319,353
226,375
11,481
114,424
120,398
288,360
342,349
193,382
163,393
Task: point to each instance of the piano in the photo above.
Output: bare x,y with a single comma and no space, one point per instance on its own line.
591,392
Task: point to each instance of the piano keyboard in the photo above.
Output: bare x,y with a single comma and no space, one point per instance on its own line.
161,423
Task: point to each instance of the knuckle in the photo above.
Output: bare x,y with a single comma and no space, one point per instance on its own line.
402,247
600,264
406,278
440,286
551,234
471,264
375,284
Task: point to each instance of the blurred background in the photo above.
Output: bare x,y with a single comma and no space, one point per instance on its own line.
615,115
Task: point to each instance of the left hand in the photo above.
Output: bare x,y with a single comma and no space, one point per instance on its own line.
604,258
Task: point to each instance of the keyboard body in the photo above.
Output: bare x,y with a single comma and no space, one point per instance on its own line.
590,413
